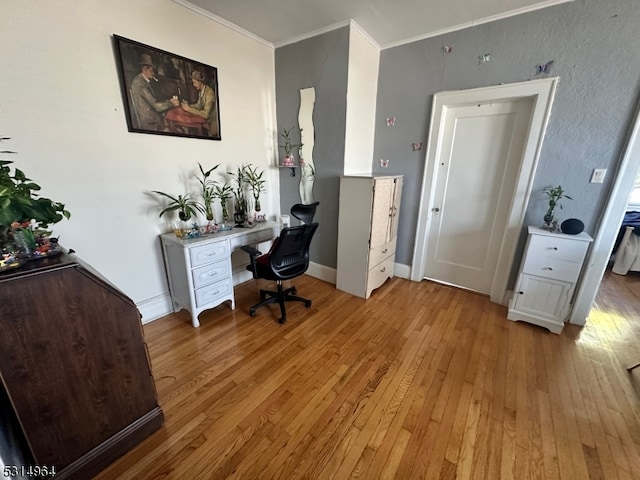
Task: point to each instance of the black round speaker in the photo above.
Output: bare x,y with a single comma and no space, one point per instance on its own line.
572,226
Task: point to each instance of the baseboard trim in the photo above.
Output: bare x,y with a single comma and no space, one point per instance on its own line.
322,272
155,307
402,271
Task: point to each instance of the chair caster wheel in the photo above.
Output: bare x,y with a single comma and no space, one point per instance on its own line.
282,320
307,303
252,312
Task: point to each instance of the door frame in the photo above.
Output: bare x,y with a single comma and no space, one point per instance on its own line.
605,237
542,92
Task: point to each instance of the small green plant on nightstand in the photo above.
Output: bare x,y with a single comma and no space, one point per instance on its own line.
554,194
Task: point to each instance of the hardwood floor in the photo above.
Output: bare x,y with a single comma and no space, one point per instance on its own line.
421,381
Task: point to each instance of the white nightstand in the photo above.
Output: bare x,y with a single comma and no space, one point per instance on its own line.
550,269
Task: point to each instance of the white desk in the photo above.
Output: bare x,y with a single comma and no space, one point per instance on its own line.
199,269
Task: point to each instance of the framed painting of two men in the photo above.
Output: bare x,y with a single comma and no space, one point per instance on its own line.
166,94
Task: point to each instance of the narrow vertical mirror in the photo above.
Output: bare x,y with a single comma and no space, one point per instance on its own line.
307,135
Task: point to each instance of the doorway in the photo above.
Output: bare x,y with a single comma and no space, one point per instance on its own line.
476,173
604,239
481,158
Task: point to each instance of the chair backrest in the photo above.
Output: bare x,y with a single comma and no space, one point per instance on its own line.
303,212
290,256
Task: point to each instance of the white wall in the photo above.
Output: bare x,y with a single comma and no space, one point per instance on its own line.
362,89
61,103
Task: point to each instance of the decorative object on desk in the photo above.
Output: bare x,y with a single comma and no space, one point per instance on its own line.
253,176
179,228
223,193
24,215
239,195
307,143
572,226
206,191
167,94
10,261
554,194
288,146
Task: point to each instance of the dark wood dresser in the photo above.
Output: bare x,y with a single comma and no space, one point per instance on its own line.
74,367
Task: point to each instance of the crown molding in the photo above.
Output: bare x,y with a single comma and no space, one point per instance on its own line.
222,21
473,23
315,33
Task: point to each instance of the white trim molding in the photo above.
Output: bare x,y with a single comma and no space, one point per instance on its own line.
222,21
605,237
322,272
155,307
542,92
480,21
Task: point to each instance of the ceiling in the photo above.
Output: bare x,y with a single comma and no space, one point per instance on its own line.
387,22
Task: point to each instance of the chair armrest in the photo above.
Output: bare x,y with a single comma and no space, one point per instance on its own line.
254,252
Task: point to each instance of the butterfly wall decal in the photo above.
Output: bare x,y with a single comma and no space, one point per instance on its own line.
545,68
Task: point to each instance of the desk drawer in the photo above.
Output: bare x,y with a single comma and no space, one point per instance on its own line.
212,252
210,294
253,238
557,248
210,273
555,268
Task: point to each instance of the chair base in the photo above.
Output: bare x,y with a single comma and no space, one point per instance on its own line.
280,296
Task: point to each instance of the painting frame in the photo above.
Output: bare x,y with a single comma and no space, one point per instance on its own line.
165,93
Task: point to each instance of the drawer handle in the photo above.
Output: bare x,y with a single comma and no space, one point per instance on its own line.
383,269
210,274
385,250
520,293
555,248
547,268
213,294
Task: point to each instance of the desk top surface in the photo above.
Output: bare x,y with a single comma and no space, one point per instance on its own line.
264,227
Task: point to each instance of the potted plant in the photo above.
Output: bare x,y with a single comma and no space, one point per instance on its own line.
223,193
288,146
186,206
239,196
24,215
206,191
554,194
256,183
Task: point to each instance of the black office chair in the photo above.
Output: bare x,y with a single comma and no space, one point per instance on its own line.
287,259
304,213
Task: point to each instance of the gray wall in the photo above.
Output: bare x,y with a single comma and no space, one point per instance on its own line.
320,62
594,46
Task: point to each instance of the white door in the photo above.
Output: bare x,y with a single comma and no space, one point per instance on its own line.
476,173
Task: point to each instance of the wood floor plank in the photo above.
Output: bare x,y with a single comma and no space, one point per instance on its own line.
420,381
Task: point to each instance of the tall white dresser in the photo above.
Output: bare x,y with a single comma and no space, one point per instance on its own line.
367,231
550,269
